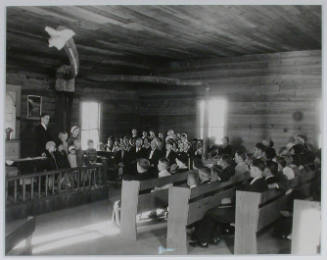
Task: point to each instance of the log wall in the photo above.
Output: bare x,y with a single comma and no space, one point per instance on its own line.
119,108
263,92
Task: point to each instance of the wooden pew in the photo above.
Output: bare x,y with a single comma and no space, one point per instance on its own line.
306,228
186,206
136,197
255,211
17,231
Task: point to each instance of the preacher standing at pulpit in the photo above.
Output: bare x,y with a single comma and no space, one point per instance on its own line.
42,135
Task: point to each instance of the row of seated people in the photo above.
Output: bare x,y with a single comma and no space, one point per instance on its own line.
262,170
266,171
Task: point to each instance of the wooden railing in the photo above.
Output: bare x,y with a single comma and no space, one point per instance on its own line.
50,183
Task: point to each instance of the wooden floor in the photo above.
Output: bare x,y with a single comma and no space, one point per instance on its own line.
88,230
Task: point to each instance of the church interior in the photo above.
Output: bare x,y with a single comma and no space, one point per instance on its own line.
163,130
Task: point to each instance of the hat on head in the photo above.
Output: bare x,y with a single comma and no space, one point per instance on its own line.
73,128
70,148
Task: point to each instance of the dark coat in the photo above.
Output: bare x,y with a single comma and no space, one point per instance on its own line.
157,154
41,137
171,157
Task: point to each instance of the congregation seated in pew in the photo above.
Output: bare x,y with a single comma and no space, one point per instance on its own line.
210,228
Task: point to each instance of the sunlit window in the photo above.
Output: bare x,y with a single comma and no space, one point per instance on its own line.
216,118
90,114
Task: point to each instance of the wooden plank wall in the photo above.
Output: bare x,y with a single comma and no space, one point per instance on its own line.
263,91
119,108
169,109
32,84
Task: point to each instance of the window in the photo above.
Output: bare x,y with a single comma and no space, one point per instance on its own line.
90,129
216,118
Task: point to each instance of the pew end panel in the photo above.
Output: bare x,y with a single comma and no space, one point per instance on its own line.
129,204
306,229
177,219
246,222
186,206
140,196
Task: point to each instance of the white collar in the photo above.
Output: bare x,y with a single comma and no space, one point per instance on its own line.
44,126
254,179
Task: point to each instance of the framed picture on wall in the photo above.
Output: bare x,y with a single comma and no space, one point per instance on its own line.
34,106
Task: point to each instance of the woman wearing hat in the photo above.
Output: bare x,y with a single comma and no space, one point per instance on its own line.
74,134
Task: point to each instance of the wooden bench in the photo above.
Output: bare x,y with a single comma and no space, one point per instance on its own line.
136,197
17,231
186,206
255,211
306,228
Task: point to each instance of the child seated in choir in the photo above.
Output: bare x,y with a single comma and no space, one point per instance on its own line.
146,144
91,153
63,162
144,135
72,159
116,148
110,144
52,160
62,157
198,149
79,153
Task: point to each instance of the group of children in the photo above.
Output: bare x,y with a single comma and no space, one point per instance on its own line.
175,148
67,153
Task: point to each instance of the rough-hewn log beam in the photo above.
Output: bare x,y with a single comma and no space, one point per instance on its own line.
143,79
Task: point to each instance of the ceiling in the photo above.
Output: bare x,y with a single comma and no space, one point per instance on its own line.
133,40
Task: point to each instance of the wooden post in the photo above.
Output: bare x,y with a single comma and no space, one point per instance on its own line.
129,205
246,222
206,123
177,219
306,229
24,190
64,103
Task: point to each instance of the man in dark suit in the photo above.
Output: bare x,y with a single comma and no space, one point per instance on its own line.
134,154
212,225
42,135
